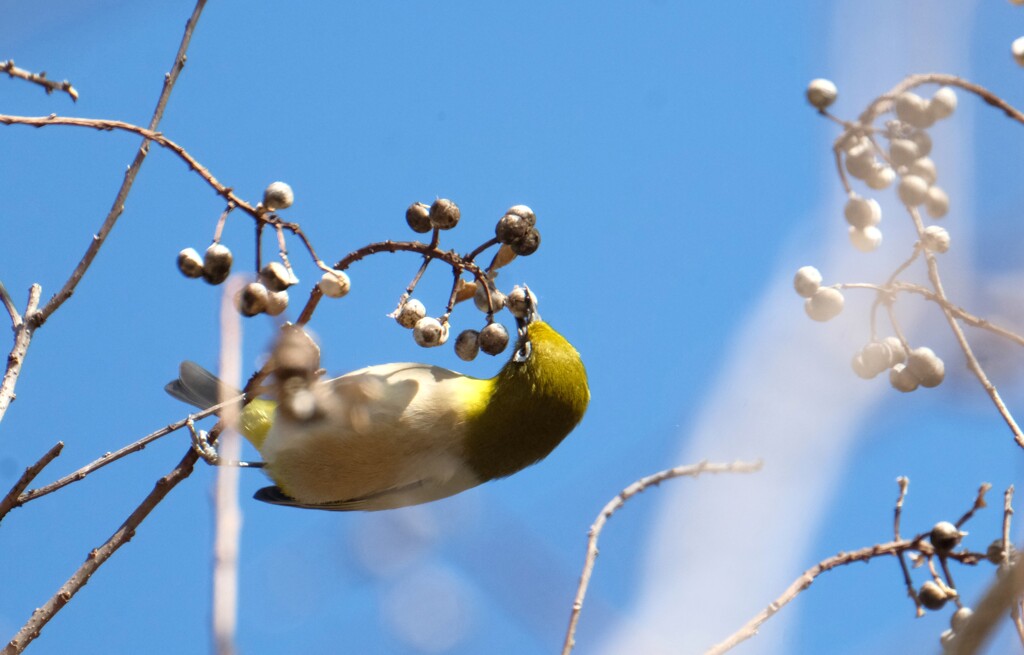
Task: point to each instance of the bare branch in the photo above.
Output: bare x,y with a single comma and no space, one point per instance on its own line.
98,556
1000,598
8,303
691,470
10,501
39,78
897,547
110,458
22,339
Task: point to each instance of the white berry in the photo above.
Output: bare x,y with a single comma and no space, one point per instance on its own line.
277,302
897,353
943,103
429,332
912,190
825,304
807,281
1017,48
912,108
903,152
517,304
881,177
334,284
480,299
410,313
936,202
935,238
862,212
278,195
926,367
866,239
924,168
821,93
902,379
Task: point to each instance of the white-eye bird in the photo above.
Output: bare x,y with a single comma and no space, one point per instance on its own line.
403,434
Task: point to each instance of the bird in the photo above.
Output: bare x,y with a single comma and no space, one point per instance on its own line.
395,435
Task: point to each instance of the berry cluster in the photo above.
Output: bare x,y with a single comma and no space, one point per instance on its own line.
269,293
904,157
935,593
516,234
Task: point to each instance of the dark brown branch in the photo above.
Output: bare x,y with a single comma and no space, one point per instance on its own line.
39,78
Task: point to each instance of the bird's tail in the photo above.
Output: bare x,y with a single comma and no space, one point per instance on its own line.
199,387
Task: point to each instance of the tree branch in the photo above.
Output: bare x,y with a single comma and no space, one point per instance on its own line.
38,78
691,470
10,501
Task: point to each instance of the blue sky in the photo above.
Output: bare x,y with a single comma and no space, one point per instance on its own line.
679,179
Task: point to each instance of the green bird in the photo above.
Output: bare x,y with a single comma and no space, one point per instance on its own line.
395,435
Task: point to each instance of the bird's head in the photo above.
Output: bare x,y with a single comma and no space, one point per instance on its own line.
537,398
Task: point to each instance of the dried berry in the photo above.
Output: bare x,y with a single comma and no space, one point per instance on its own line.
444,214
418,217
190,263
217,263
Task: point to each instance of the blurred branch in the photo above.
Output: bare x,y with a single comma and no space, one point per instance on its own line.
228,514
10,501
691,470
38,78
884,102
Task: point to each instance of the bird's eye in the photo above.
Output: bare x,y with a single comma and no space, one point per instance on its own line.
523,353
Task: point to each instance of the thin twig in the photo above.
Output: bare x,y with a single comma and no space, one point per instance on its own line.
972,361
39,78
959,312
430,251
34,318
1003,596
98,556
882,104
1015,607
110,458
897,547
8,303
979,503
150,135
691,470
904,484
10,501
750,628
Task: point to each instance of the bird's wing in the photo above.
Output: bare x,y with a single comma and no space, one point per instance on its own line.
387,499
